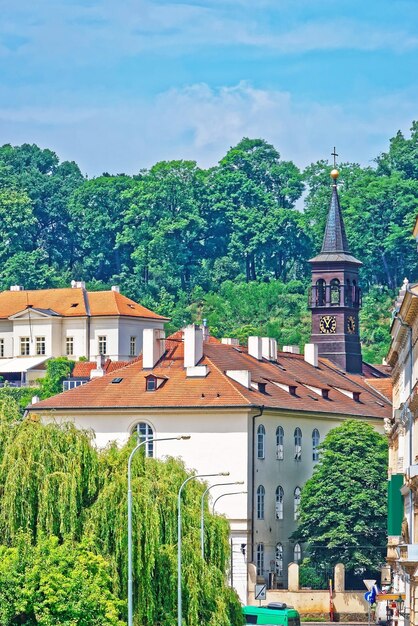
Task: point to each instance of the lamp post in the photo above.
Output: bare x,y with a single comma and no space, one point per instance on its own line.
179,600
202,516
141,443
230,493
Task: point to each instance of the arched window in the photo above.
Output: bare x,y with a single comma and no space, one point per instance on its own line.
261,492
261,441
260,559
348,293
145,433
315,444
320,292
297,553
298,444
279,502
296,502
279,559
335,291
279,443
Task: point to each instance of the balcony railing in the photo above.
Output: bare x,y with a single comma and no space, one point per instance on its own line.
334,295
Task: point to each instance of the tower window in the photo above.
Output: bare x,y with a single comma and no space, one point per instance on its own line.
335,291
320,292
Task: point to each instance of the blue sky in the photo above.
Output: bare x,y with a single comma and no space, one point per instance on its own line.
117,85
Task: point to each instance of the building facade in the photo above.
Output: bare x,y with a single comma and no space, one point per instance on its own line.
402,433
38,325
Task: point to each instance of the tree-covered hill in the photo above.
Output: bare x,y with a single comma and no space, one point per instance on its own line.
226,243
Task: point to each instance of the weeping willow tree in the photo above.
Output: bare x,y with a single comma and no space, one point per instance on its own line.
54,483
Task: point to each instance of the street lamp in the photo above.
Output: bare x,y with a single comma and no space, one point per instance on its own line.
141,443
202,517
179,600
230,493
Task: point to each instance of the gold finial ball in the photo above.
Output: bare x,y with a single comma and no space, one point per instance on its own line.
334,174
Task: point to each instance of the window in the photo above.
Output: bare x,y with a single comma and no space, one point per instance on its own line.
70,384
261,436
279,502
102,344
260,559
296,502
279,559
40,346
298,444
261,492
151,383
297,553
320,292
349,293
145,433
279,443
315,444
69,346
24,346
132,346
1,347
335,291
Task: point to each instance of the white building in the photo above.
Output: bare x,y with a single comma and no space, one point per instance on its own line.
258,415
73,322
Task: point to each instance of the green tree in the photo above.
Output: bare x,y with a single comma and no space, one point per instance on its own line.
52,583
342,515
57,370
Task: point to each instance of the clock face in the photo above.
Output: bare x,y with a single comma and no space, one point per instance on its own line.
351,324
327,324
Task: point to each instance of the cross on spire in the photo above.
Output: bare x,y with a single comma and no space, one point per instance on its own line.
334,154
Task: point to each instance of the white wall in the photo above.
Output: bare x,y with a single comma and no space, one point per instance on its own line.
130,327
75,327
6,333
219,442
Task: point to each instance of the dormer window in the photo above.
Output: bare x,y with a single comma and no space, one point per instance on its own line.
151,383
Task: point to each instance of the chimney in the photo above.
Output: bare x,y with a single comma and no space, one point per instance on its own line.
35,399
269,348
99,371
116,288
243,377
78,284
193,345
16,288
205,329
230,341
153,346
311,354
292,349
254,347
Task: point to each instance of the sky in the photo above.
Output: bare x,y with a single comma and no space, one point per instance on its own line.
117,85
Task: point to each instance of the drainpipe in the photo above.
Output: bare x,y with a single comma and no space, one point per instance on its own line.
261,411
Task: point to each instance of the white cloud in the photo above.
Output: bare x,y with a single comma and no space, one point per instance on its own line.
201,123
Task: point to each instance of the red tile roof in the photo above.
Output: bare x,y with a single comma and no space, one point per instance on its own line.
219,390
73,302
82,369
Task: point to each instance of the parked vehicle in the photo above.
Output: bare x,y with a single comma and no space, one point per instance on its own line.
273,613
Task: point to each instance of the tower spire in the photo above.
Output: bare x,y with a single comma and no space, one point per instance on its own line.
335,238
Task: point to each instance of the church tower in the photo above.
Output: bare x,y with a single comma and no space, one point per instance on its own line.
335,295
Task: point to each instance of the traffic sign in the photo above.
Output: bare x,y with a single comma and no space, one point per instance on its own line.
369,583
260,592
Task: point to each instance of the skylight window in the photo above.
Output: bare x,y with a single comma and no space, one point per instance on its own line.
74,304
116,381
